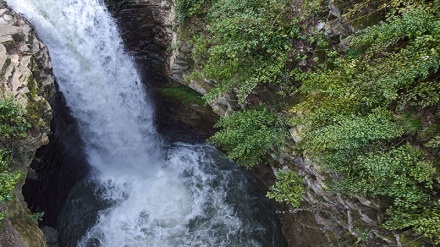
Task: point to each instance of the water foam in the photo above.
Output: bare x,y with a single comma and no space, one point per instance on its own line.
184,205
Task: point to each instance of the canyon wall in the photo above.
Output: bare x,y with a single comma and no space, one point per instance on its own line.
25,77
164,55
325,218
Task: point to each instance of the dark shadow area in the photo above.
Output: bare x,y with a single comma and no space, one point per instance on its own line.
147,41
58,166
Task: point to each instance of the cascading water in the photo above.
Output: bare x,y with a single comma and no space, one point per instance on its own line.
141,192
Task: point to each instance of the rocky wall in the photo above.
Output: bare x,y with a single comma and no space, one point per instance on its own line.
25,76
325,218
148,30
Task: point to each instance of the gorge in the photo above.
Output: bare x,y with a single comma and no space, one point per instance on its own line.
332,105
140,190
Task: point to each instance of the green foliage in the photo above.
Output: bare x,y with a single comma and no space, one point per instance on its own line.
188,8
249,134
183,94
423,95
13,126
410,122
314,6
289,188
8,181
362,110
13,121
434,143
400,173
247,43
415,22
353,132
34,218
423,218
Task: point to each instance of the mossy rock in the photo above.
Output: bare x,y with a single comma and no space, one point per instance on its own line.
183,94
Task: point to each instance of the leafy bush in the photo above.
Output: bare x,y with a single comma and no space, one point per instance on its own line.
288,188
34,218
13,126
249,134
422,218
363,109
8,179
360,112
188,8
13,121
353,132
247,43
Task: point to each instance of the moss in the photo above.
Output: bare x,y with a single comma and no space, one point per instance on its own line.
409,242
28,230
9,45
3,69
183,94
18,37
36,107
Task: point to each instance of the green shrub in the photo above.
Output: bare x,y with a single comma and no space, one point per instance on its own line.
423,218
188,8
248,135
289,188
8,179
13,127
247,43
362,111
34,218
13,122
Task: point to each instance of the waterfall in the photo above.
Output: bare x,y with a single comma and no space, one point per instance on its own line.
100,83
142,192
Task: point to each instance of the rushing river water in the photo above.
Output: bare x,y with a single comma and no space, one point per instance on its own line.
141,192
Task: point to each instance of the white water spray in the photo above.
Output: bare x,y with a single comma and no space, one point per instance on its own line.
100,83
158,197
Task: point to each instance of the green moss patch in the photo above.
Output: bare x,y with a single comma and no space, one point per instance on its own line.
183,94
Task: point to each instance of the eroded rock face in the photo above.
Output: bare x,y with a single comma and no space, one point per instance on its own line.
145,28
25,76
148,29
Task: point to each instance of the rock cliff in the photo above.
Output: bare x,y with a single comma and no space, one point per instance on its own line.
25,76
164,55
148,29
326,218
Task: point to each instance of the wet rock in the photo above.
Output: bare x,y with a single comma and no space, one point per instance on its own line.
334,10
26,76
51,236
145,28
296,133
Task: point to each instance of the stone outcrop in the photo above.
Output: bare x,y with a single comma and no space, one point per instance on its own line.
145,28
149,32
25,76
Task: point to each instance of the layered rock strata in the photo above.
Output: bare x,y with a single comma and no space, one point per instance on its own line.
26,77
